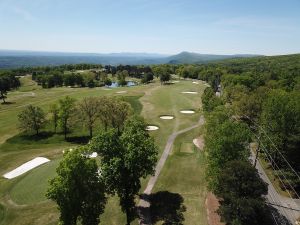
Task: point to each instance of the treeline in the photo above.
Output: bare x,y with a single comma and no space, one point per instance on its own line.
230,175
259,103
7,82
274,72
90,112
268,101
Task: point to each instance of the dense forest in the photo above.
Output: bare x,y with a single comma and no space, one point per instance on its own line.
252,101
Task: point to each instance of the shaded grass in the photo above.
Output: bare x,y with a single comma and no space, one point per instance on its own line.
1,212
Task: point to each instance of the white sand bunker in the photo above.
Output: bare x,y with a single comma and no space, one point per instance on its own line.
26,167
151,128
195,82
187,111
106,89
166,117
121,92
176,81
189,92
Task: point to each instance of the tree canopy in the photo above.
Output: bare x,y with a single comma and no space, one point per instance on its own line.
78,189
125,159
32,118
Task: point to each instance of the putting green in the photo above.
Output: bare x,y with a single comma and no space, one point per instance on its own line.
32,188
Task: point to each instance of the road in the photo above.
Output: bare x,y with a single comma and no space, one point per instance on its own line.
144,204
287,207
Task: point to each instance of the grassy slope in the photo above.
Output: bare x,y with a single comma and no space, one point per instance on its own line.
162,100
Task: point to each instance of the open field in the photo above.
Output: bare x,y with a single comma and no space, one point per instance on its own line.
23,198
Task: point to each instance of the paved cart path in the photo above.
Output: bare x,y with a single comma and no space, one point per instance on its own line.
144,204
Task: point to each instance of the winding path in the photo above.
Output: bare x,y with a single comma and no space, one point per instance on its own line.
144,204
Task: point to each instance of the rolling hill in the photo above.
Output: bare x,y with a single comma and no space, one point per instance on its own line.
14,59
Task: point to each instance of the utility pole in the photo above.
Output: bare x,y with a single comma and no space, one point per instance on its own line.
257,151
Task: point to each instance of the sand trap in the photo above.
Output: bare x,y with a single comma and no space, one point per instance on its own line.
199,142
93,155
195,82
176,81
106,89
166,117
26,167
121,92
189,92
187,111
151,128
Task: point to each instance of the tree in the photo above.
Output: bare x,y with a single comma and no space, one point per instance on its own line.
164,76
125,159
228,141
113,112
280,121
32,118
7,82
240,190
121,75
249,106
89,111
120,111
209,100
91,83
54,111
78,189
66,111
4,87
147,77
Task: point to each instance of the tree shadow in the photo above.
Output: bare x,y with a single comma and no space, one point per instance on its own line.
167,208
276,218
7,103
78,139
24,137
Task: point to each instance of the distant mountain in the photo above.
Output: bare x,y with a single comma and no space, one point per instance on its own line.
14,59
190,57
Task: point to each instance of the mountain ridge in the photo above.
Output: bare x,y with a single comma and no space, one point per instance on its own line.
16,58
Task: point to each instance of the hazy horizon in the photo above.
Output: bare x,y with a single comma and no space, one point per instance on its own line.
166,27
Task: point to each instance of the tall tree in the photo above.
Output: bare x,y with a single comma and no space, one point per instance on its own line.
120,111
209,100
280,122
66,112
78,189
89,111
229,141
54,111
240,190
125,159
32,118
113,112
7,82
4,87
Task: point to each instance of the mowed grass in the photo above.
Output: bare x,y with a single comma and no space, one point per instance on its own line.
32,188
184,175
24,196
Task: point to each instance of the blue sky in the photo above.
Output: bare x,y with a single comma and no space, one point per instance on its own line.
162,26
